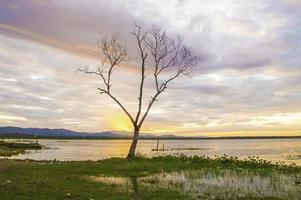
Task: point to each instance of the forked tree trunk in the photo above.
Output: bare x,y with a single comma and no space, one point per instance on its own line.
132,149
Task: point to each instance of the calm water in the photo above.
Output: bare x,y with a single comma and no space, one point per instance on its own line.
288,150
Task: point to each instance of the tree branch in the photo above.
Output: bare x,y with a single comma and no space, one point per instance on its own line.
113,52
140,37
102,91
167,53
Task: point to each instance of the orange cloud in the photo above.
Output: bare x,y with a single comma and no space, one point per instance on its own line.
76,48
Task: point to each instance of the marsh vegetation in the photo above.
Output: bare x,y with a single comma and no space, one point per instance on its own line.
168,177
15,148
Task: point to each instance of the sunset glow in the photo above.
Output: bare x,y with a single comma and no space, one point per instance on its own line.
120,122
248,83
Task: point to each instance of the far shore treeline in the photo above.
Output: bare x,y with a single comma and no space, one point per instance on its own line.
46,133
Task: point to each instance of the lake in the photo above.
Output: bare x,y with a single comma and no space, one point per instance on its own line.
287,150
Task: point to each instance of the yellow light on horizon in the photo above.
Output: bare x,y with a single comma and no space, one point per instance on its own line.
277,124
119,122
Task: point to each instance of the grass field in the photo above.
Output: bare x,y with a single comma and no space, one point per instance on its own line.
14,148
150,178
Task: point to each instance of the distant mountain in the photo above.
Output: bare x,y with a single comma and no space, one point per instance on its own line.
65,133
16,132
46,132
106,134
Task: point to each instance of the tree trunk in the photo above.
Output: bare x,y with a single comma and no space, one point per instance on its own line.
132,149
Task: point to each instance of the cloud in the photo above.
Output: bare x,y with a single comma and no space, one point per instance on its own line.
231,34
251,69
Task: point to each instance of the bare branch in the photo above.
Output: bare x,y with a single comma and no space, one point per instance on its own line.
140,38
150,104
102,91
113,52
167,53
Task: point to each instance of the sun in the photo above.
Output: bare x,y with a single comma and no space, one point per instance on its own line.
119,122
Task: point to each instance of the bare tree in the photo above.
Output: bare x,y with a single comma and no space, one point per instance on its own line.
165,56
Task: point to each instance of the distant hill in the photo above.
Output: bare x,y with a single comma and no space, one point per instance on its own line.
10,131
17,132
46,132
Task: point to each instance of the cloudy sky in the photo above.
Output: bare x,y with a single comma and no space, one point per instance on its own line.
249,82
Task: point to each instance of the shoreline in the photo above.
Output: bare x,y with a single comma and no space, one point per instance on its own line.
154,138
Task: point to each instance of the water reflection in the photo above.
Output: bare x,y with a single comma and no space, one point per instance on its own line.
211,184
231,184
123,183
134,181
271,149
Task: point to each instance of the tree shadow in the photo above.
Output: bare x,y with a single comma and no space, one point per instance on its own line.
134,181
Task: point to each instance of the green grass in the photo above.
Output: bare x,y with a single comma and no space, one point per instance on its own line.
144,178
14,148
